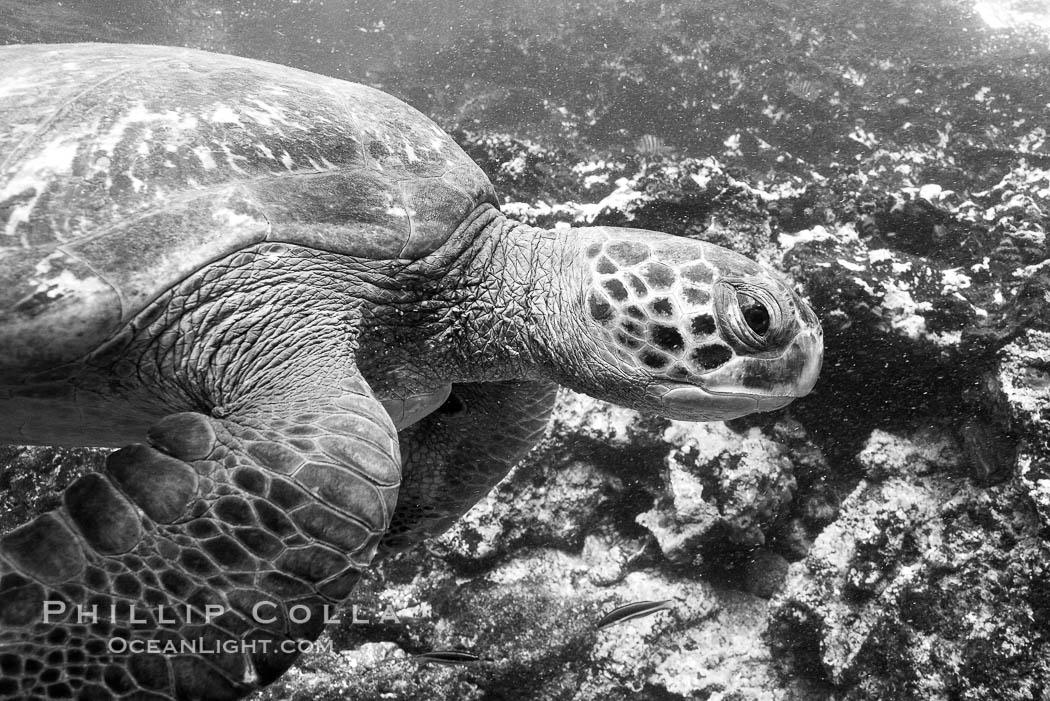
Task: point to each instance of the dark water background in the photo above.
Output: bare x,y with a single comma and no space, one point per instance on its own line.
600,74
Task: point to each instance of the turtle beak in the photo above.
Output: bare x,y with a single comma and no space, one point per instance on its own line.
809,345
726,394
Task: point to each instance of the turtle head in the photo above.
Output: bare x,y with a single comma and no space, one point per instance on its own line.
708,333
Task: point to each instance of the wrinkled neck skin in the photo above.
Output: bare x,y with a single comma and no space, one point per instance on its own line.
518,310
505,293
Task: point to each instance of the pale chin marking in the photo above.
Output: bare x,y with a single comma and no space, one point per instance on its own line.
697,401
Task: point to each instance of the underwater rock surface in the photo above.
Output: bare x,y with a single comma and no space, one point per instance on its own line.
925,586
584,525
1020,388
884,538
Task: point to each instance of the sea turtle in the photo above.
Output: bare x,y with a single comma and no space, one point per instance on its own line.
294,304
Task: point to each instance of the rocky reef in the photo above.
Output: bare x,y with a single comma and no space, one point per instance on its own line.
885,537
919,574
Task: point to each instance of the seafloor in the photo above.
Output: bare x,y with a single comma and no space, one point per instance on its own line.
887,537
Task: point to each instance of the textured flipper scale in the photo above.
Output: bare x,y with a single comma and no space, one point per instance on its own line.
258,523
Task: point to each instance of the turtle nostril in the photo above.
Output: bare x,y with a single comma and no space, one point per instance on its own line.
754,313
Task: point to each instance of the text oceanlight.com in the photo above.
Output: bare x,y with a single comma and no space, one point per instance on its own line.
200,646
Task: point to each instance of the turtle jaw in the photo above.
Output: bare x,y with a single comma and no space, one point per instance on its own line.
685,402
728,393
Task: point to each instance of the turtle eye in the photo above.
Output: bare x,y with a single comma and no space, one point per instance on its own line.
750,316
755,314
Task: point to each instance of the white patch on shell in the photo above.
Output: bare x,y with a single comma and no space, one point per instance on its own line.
265,151
204,156
410,153
18,85
232,158
286,161
54,282
321,166
269,115
225,115
229,219
35,175
177,123
137,184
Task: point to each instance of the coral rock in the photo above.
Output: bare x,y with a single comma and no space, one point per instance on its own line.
723,486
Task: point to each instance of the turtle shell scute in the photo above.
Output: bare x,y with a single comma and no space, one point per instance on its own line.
126,169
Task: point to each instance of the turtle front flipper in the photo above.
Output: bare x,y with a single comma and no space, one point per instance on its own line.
190,568
457,454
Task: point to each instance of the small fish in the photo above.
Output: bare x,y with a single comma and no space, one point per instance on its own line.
450,657
804,89
648,146
991,452
629,612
